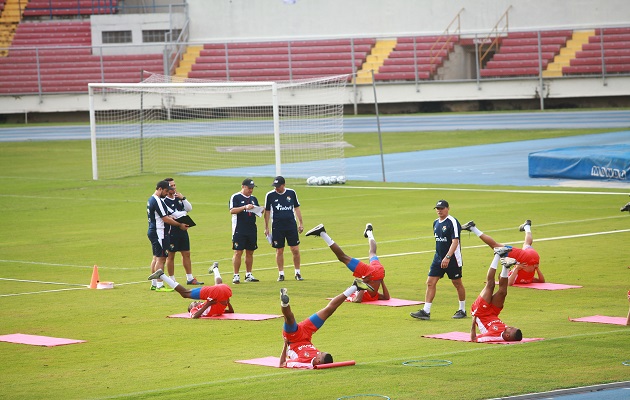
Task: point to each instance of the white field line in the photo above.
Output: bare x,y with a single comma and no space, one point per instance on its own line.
317,263
532,191
398,361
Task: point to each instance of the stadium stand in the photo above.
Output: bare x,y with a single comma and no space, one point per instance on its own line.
57,55
390,59
518,53
55,8
424,54
257,61
615,53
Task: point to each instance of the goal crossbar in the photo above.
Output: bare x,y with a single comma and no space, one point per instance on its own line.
218,126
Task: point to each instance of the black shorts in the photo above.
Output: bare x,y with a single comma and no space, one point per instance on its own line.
453,270
244,241
178,240
278,237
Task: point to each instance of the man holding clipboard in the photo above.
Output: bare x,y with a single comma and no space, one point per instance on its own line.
179,239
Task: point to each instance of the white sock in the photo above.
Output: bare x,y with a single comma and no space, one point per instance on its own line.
528,228
427,308
153,282
505,272
173,278
169,281
327,239
159,284
281,273
216,273
370,235
476,231
495,262
297,271
189,277
462,305
350,291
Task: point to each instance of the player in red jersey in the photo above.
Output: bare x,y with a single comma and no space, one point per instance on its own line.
372,273
486,309
298,351
527,269
217,297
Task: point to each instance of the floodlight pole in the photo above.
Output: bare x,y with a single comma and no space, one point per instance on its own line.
378,126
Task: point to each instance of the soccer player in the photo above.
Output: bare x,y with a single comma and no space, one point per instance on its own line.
447,260
373,273
527,269
179,239
486,309
217,297
298,350
244,231
159,216
282,207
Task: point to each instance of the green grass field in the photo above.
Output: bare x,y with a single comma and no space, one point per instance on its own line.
59,223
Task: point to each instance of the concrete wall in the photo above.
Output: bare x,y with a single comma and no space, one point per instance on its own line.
279,19
136,23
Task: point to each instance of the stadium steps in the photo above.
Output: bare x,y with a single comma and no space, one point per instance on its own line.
567,53
189,59
379,53
9,19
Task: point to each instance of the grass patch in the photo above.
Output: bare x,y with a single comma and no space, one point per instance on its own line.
60,223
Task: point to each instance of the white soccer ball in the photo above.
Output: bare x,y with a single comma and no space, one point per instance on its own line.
312,180
341,179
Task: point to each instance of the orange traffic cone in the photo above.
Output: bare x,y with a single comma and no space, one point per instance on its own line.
95,280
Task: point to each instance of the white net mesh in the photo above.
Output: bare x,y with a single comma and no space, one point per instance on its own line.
218,128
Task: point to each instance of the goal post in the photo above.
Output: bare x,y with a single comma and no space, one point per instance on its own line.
218,128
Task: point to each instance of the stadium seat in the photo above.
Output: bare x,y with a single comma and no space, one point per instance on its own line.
616,53
63,60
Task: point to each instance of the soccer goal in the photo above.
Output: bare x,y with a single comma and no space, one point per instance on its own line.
218,128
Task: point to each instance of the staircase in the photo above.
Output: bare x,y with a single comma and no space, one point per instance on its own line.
380,52
9,20
567,53
190,57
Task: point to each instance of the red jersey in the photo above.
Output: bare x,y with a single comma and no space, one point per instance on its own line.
215,309
524,276
488,321
220,292
301,352
527,255
374,271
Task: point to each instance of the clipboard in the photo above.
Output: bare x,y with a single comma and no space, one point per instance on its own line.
185,219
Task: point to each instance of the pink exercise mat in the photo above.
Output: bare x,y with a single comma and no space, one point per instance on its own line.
546,286
243,317
465,337
601,319
272,361
36,340
392,302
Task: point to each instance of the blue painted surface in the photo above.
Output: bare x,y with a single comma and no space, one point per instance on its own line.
492,164
414,123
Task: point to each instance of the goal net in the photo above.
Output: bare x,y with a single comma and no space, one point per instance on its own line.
215,128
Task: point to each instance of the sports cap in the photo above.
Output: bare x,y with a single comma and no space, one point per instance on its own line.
249,183
279,181
441,204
